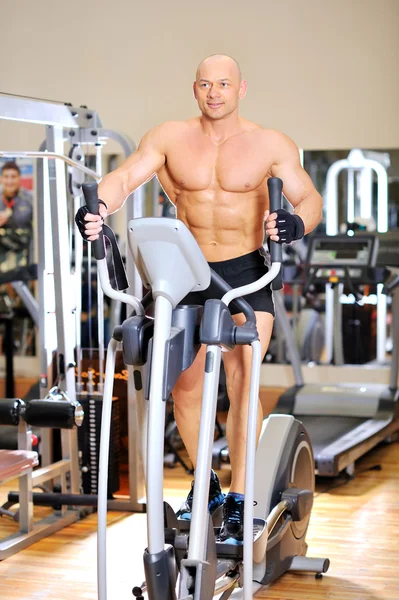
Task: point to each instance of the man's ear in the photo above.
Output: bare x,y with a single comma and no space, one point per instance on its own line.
195,90
243,90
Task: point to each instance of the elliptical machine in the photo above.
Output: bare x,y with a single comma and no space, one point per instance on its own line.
184,560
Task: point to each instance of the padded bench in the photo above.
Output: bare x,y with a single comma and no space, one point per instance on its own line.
14,463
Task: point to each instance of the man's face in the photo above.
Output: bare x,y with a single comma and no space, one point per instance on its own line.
10,180
218,88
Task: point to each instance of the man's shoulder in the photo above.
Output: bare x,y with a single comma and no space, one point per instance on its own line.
279,141
275,135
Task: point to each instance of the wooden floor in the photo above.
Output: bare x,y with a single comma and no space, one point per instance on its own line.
356,526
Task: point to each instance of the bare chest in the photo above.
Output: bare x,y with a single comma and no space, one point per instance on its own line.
235,166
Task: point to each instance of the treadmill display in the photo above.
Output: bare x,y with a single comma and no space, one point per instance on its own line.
332,252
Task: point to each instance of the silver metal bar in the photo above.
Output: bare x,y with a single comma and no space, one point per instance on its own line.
78,293
253,287
28,299
198,529
103,471
306,563
128,145
393,380
137,405
338,342
381,324
139,430
100,298
156,428
365,192
350,210
62,281
134,209
25,482
155,189
51,471
249,468
274,516
51,155
33,111
47,321
109,290
329,324
291,344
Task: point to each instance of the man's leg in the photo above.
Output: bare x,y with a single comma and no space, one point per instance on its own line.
187,395
238,377
237,364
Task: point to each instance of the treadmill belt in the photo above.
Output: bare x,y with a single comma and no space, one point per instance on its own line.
323,431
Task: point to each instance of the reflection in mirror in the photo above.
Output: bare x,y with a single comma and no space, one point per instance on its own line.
339,313
18,309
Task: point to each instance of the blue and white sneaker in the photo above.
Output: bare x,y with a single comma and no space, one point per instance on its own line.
232,530
216,499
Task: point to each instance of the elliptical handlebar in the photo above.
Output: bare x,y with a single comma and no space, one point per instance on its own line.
90,192
275,185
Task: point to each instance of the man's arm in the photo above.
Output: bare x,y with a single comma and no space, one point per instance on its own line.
297,186
116,186
149,157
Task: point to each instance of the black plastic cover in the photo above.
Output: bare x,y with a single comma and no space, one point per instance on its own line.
217,325
300,502
160,574
188,318
136,334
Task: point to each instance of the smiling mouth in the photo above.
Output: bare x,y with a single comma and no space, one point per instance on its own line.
215,104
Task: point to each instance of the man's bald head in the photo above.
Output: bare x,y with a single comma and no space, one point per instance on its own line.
218,87
220,61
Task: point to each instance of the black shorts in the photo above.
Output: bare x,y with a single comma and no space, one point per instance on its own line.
237,272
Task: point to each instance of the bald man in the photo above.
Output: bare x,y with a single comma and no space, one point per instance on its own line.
214,168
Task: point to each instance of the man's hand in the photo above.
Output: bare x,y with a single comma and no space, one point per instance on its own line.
283,227
4,216
90,225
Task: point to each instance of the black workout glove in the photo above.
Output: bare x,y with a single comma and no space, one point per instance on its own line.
80,218
290,227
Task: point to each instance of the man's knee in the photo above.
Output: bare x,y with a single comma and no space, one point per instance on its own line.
238,377
188,387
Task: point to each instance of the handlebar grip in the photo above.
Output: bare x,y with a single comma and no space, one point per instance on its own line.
90,193
275,187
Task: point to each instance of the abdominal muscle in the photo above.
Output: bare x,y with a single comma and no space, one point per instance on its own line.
225,224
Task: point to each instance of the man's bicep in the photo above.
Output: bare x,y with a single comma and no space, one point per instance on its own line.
144,162
296,182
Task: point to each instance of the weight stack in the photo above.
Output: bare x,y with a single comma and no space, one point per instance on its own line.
89,444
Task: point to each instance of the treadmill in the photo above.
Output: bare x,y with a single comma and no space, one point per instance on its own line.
344,420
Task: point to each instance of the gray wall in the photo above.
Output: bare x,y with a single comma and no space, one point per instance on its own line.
323,71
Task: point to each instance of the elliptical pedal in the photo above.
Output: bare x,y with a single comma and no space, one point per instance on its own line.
229,550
